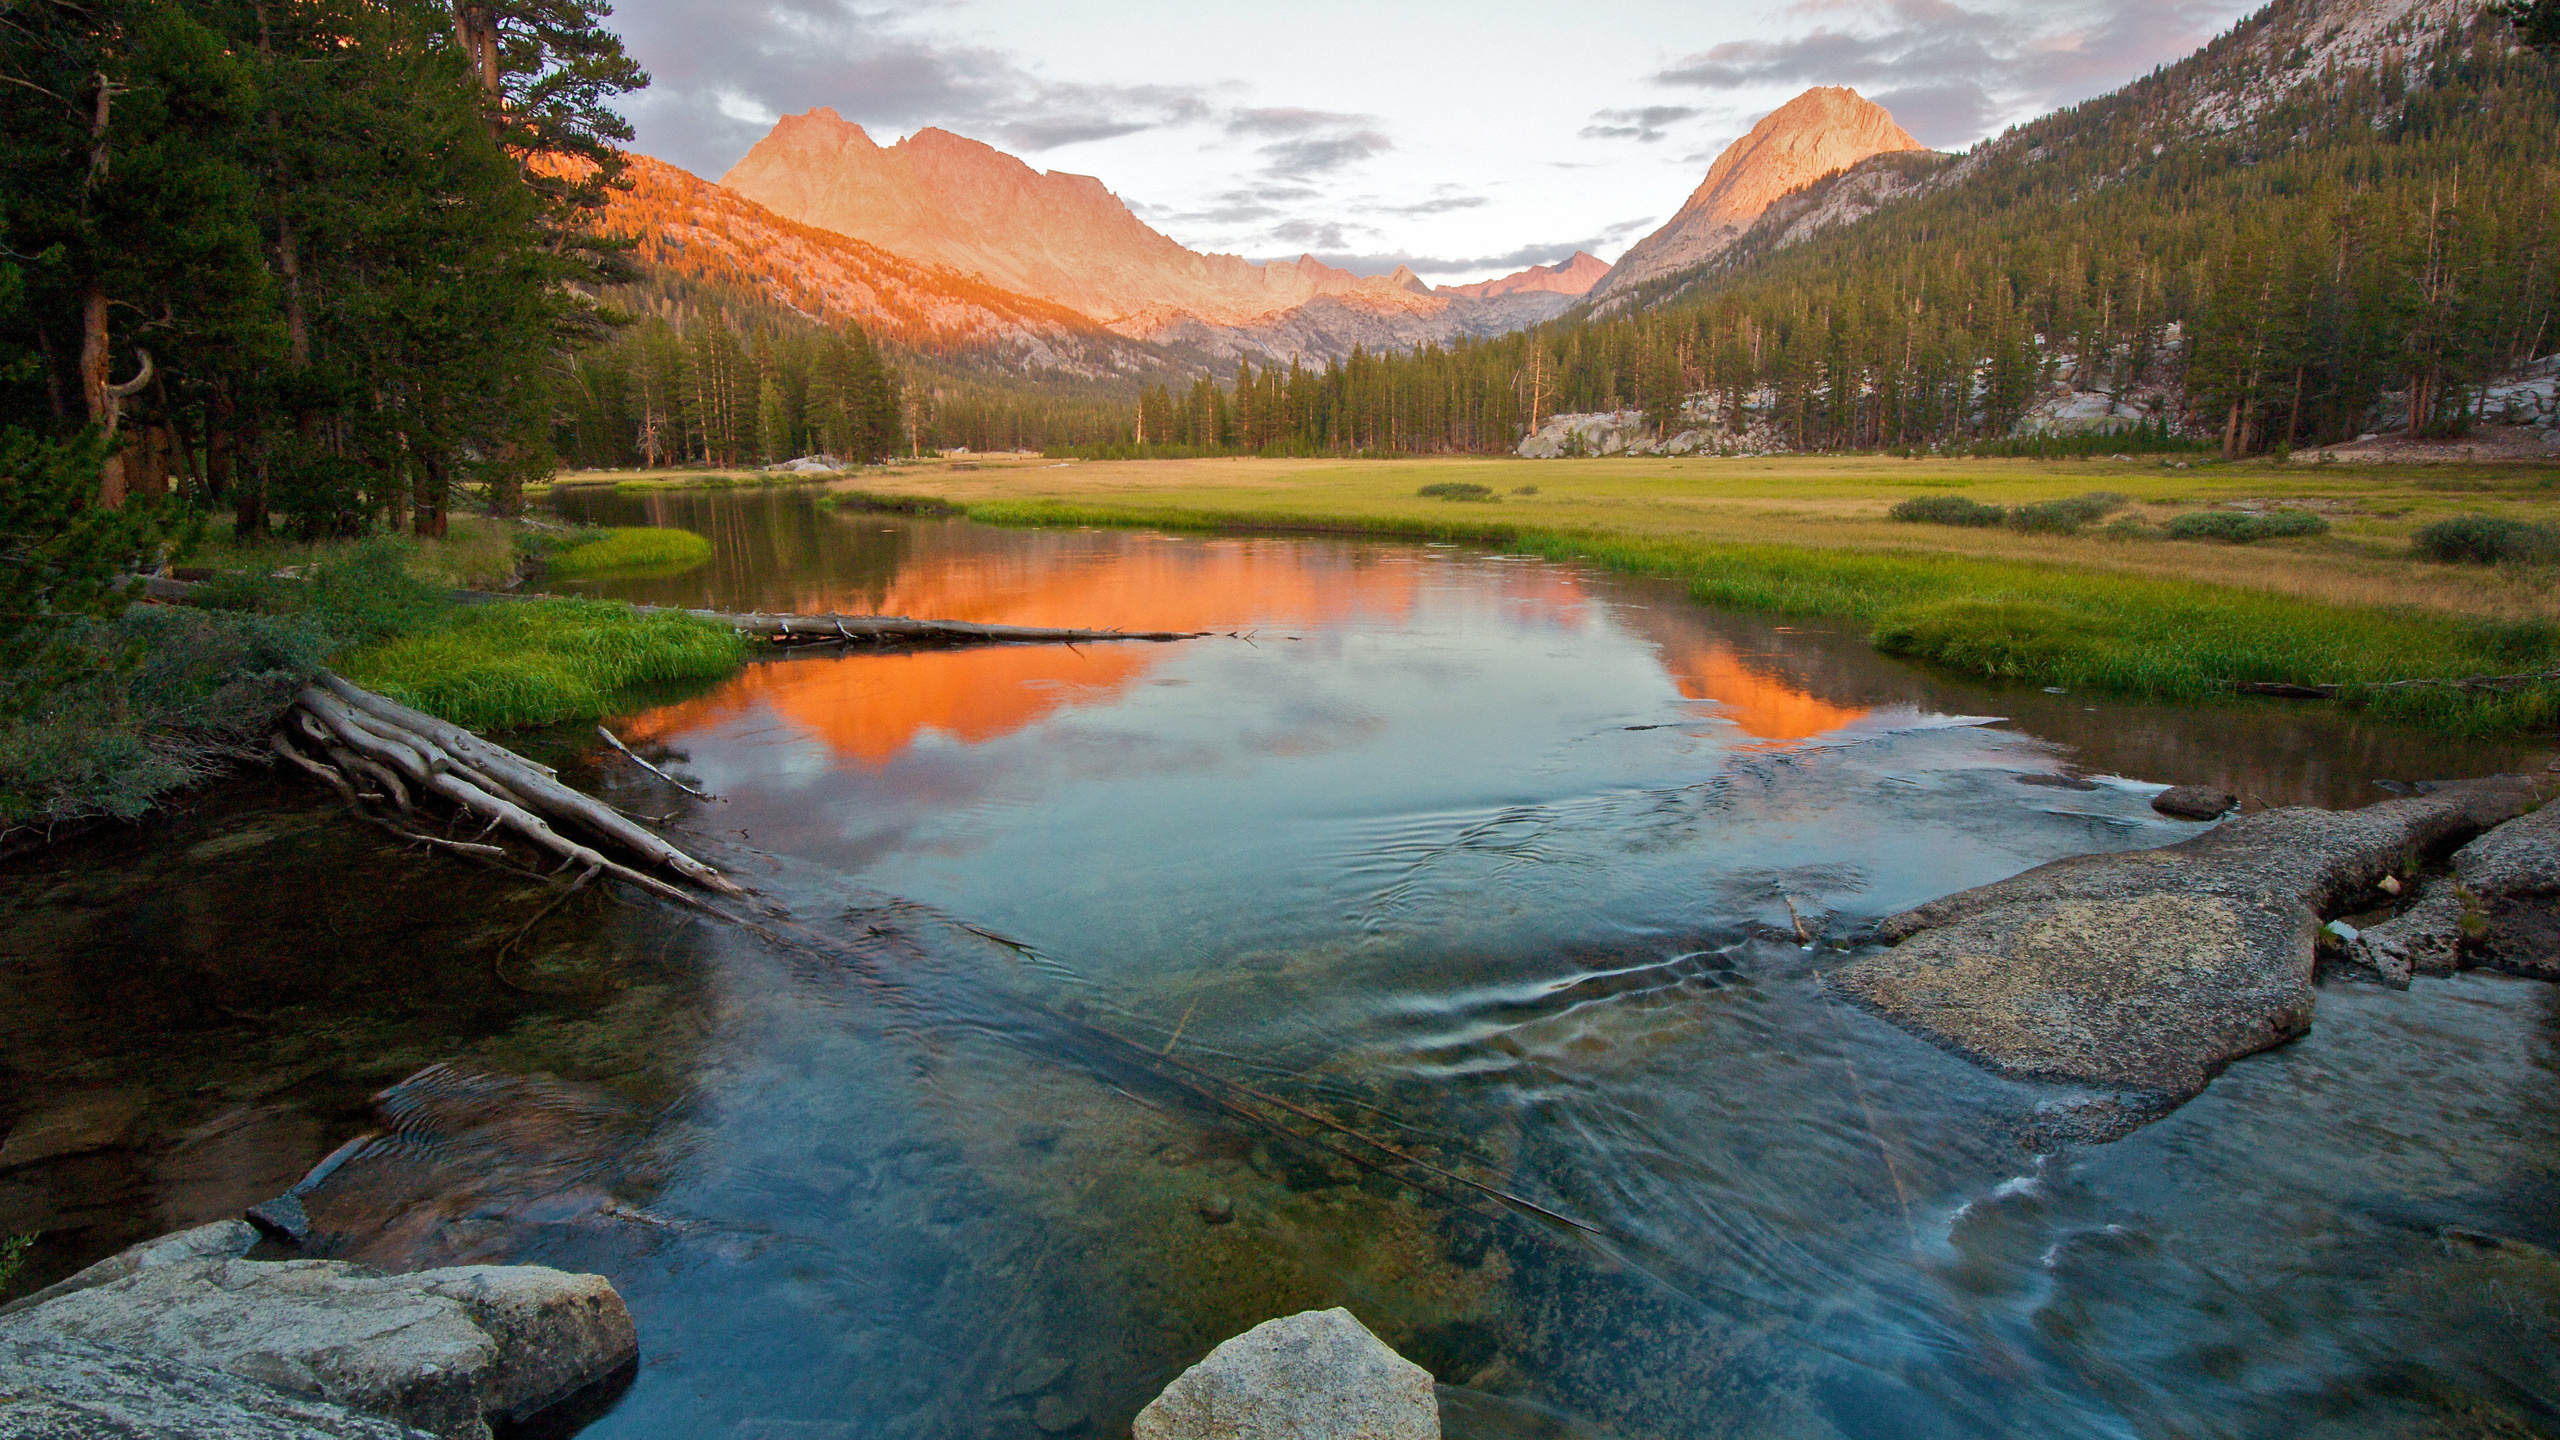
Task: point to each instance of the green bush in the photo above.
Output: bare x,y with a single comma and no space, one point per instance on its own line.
1455,490
13,1257
161,696
643,551
2487,540
2239,528
2065,517
1948,510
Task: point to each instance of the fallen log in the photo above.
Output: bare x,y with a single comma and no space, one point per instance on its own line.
900,630
2475,684
409,755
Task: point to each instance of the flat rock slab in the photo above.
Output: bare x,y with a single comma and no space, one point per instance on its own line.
1319,1375
2149,971
55,1389
2499,910
440,1350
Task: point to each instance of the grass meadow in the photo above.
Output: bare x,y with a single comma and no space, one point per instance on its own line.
2118,605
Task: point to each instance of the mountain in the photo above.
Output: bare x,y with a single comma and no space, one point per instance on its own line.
944,200
1825,129
1574,277
699,233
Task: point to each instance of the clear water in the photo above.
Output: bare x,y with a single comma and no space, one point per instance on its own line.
1496,862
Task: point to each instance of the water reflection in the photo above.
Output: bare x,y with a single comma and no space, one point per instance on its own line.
1497,860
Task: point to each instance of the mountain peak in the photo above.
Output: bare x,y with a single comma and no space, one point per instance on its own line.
1827,128
1574,277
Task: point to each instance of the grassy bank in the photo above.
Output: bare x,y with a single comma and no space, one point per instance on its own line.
2124,607
117,714
632,552
537,662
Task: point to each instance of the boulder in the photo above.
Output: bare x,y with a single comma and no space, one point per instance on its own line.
440,1350
2194,802
1319,1375
2147,972
57,1389
2500,909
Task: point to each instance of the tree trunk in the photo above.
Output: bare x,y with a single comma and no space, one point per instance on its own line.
2231,434
434,484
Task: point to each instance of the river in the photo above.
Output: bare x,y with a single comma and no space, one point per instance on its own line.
1115,972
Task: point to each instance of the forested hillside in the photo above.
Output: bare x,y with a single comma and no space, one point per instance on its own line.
2256,244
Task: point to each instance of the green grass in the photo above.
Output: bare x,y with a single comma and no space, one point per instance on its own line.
643,551
2007,620
538,662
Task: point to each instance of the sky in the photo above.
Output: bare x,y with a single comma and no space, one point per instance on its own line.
1466,141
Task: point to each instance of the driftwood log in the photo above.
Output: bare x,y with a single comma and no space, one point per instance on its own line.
2475,684
371,747
899,630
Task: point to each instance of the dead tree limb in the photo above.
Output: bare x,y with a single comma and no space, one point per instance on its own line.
412,755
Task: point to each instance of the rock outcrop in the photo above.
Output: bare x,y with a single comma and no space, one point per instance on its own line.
1821,131
444,1351
1319,1375
56,1389
2499,910
2147,972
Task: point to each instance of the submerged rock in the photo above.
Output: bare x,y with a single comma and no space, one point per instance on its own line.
1319,1375
57,1389
2500,909
2147,972
441,1350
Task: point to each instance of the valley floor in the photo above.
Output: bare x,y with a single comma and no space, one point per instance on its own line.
2115,606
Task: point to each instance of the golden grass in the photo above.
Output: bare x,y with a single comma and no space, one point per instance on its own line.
1838,503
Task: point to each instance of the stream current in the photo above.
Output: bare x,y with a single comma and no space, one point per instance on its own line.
1496,862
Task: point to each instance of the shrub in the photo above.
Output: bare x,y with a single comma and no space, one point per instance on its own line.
13,1256
2065,517
1525,490
1453,490
2487,540
162,694
368,595
644,551
2009,638
1947,510
2239,528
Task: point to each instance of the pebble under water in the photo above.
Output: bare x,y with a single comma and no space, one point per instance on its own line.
1428,944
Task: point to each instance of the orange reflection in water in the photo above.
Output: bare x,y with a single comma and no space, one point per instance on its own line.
871,712
1762,705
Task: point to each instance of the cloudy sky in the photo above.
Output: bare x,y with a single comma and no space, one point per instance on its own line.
1467,141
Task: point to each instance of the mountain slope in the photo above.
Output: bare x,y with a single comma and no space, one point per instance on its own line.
944,200
1576,276
1821,131
695,231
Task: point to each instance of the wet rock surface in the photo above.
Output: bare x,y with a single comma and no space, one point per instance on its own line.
57,1389
1319,1375
2147,972
2498,910
2194,802
444,1351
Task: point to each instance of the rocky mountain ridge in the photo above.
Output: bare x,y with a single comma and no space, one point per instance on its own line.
1576,276
944,200
700,232
1825,130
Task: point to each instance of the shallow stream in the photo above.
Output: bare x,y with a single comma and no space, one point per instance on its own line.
1120,969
